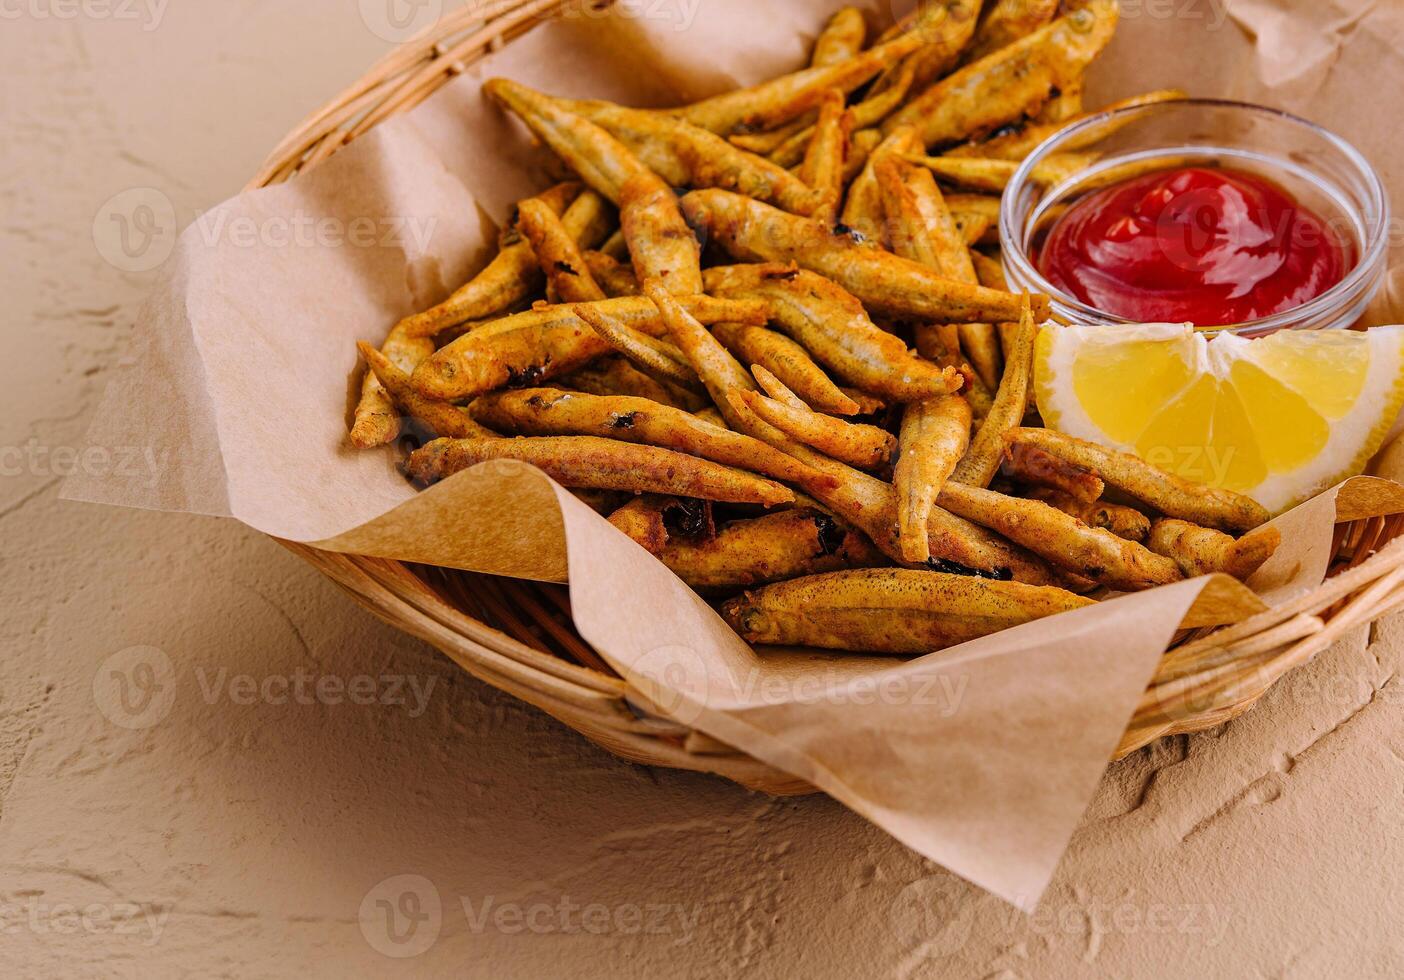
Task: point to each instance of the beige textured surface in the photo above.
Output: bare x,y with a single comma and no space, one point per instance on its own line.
242,830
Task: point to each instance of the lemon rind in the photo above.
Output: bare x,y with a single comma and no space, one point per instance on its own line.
1378,403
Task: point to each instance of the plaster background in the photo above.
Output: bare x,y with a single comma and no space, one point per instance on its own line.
232,838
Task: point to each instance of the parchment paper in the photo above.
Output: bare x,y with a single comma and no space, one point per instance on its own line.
981,757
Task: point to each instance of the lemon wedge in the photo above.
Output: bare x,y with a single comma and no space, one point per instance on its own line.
1279,419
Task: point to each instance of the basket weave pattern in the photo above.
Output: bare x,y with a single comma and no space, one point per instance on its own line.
518,636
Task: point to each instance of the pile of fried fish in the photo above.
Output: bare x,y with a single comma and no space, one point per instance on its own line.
768,335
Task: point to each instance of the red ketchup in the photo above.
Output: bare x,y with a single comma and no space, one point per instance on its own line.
1209,247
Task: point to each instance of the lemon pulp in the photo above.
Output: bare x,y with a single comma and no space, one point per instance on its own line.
1279,418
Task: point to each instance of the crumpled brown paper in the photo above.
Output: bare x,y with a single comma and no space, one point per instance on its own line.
981,757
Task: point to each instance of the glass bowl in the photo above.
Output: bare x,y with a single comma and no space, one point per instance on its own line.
1321,170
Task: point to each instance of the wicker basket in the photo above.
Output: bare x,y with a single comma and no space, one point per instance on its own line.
518,636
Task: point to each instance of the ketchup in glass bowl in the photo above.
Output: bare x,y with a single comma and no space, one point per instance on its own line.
1195,245
1221,214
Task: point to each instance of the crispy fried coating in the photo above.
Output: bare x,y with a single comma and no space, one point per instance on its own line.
862,501
659,241
550,341
685,155
1063,540
652,521
601,464
1171,495
508,279
766,142
661,245
616,376
823,166
376,421
833,326
947,27
864,115
980,344
919,224
1020,140
602,502
788,361
557,254
1064,103
841,38
776,388
615,247
613,276
513,275
989,271
863,207
770,548
1124,522
921,228
602,161
993,176
955,544
934,436
1204,551
887,284
719,371
940,343
551,412
440,417
860,148
889,610
782,99
1011,82
976,215
982,460
658,359
1029,464
868,404
710,414
1006,21
865,446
